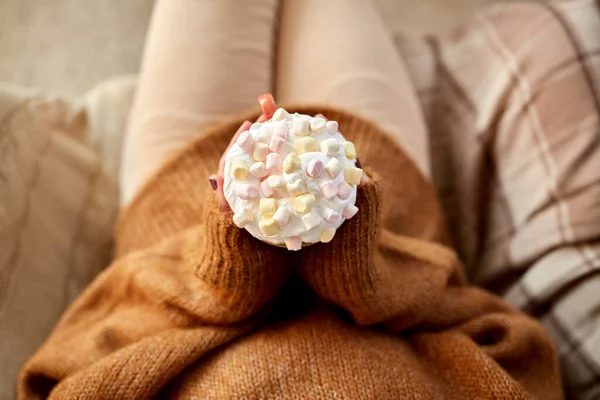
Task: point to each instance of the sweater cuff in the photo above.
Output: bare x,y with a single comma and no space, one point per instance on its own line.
243,272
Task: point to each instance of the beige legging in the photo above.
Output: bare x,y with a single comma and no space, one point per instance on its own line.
207,60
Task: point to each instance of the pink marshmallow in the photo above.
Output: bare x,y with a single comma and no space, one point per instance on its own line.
344,191
277,144
315,168
280,130
245,141
246,191
273,161
330,216
293,243
329,189
350,211
266,189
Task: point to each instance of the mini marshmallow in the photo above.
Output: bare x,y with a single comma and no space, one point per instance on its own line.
317,125
277,144
353,175
282,216
344,191
280,129
314,188
276,182
242,218
266,189
246,192
273,161
329,189
333,167
311,220
264,135
331,126
349,211
260,151
245,141
258,169
306,145
300,126
330,216
330,146
268,227
315,168
297,187
280,114
304,203
349,150
239,169
327,235
291,163
293,243
267,207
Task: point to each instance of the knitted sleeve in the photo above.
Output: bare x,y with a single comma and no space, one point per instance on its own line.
410,286
169,304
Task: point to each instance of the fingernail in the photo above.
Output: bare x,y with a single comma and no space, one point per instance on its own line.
358,164
213,183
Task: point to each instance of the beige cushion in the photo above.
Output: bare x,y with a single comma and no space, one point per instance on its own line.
57,206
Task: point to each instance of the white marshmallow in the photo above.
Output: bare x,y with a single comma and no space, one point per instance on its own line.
333,167
282,216
258,169
277,144
330,146
264,135
331,126
260,151
297,187
329,189
245,191
311,220
331,216
300,126
317,125
280,129
344,191
242,218
273,161
266,189
280,114
276,182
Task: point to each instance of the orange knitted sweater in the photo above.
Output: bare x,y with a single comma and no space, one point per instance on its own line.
194,307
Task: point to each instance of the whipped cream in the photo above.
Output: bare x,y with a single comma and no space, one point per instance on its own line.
292,180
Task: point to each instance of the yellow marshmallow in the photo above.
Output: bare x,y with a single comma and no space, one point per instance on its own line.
305,202
239,169
268,227
291,163
353,175
306,145
267,207
327,235
350,150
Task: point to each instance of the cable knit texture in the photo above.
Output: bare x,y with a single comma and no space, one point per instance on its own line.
194,307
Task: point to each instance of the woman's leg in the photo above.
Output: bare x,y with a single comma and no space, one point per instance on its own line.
204,61
339,52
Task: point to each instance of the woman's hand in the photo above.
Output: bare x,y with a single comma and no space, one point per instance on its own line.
268,107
